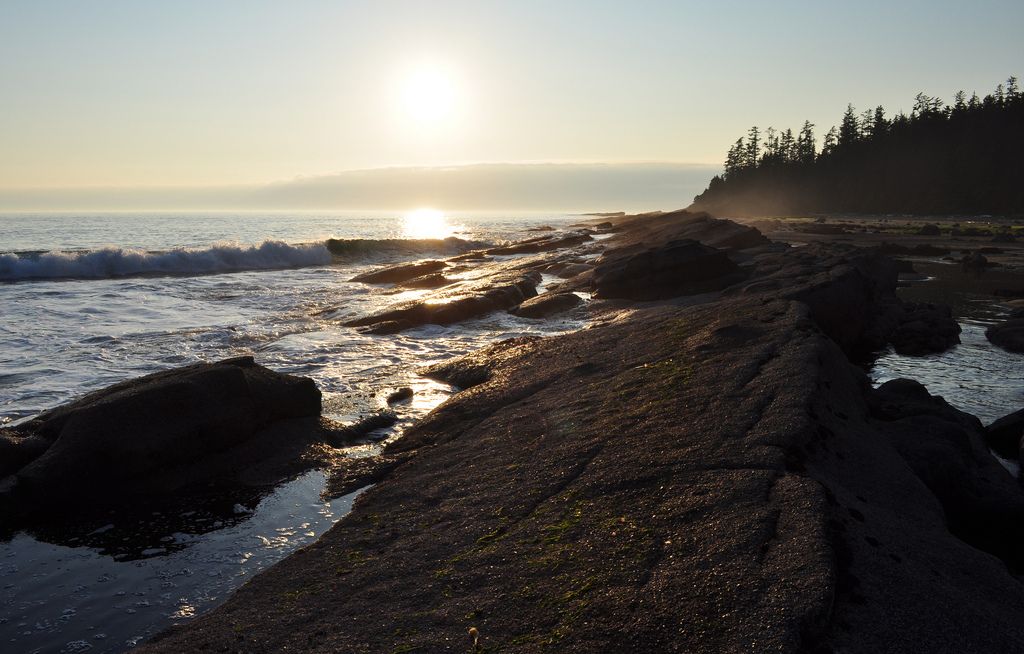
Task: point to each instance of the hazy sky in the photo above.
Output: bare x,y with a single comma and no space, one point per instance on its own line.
135,93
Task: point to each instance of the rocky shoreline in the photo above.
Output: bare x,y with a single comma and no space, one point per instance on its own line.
703,469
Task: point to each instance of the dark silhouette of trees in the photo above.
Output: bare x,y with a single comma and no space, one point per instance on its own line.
967,157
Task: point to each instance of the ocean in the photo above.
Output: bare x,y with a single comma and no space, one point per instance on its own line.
89,300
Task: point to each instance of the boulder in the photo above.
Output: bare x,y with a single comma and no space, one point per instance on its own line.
546,305
1004,435
112,438
946,449
404,272
1008,334
401,395
681,267
924,328
929,229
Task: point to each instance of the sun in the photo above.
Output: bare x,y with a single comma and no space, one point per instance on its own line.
427,223
428,95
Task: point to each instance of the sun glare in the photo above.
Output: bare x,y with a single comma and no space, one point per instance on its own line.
428,96
427,223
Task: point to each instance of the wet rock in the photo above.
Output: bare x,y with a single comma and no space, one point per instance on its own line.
572,269
470,256
904,266
975,262
475,368
924,328
505,293
119,437
540,244
400,273
946,449
359,430
433,280
401,395
1004,435
929,229
682,267
18,449
1008,334
546,305
351,474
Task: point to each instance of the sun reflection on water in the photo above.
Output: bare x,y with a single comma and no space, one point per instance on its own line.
428,223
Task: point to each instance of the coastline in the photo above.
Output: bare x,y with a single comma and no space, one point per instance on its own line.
703,473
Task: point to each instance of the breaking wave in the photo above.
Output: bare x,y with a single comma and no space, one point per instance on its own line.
125,262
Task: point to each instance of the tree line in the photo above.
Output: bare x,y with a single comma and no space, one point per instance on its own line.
964,157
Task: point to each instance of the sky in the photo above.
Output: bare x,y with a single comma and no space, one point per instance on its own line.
116,99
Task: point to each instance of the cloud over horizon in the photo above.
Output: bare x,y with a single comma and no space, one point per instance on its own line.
480,187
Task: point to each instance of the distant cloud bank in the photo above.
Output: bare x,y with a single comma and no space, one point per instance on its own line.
526,187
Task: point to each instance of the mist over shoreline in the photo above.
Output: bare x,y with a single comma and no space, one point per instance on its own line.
480,187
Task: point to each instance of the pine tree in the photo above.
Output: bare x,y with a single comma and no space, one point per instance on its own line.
879,125
806,145
828,145
848,130
753,147
787,146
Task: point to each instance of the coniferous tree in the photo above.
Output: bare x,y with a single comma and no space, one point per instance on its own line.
848,129
879,125
753,147
964,157
806,146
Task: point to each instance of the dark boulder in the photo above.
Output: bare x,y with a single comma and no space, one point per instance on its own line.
401,395
546,305
400,273
946,449
18,449
975,262
1004,435
929,229
924,328
112,438
1009,334
682,267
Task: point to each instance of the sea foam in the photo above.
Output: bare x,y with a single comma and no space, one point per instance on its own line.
122,262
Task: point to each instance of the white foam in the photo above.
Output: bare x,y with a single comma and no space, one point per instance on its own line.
120,262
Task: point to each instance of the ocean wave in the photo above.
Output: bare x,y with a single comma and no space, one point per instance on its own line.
125,262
